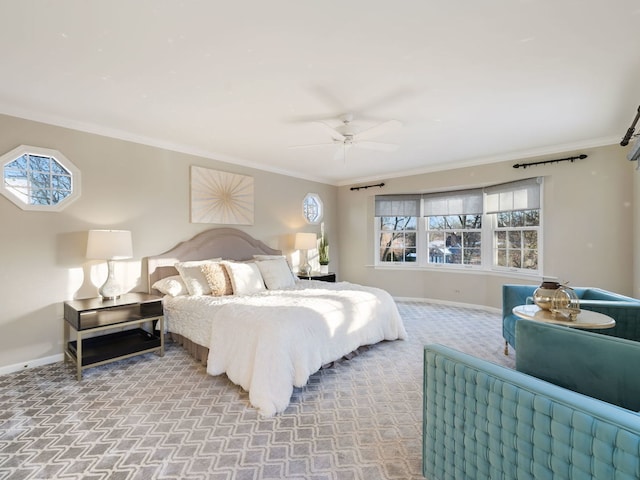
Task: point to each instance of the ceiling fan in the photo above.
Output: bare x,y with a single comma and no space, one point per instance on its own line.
345,136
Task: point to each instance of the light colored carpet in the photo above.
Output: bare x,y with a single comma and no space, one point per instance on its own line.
164,418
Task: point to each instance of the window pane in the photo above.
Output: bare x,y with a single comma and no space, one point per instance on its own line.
38,163
18,163
530,238
398,223
517,219
40,180
435,243
503,220
472,221
501,257
515,239
14,177
410,239
532,218
472,240
57,168
530,259
59,195
40,197
61,182
501,239
411,223
453,221
472,256
410,255
436,223
515,258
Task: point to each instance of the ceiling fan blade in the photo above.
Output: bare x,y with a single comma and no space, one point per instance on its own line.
378,130
383,147
336,135
341,153
313,145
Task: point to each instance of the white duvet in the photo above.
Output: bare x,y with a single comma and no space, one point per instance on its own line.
271,341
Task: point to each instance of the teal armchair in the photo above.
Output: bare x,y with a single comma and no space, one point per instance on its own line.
624,310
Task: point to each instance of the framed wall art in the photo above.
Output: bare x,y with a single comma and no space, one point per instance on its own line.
221,197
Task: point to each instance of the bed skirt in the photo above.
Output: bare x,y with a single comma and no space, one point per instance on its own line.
201,353
198,352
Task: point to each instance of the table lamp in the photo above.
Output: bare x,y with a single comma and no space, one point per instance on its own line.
109,245
305,242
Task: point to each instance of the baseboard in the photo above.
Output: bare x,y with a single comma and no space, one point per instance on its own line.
38,362
449,303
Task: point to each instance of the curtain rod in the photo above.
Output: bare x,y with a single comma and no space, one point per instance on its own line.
368,186
568,159
631,129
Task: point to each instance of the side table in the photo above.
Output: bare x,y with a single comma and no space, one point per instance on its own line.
324,277
127,314
586,319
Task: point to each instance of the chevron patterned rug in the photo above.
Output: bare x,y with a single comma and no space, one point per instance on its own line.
164,418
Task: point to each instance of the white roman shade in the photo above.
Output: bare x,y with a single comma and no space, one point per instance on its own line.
461,202
397,205
519,195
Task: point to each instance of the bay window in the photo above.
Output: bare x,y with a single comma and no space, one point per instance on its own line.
496,227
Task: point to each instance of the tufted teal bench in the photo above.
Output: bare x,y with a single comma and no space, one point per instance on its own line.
485,421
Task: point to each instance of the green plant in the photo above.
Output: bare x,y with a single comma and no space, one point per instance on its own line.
323,250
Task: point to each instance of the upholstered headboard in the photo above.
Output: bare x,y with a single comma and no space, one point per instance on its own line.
226,243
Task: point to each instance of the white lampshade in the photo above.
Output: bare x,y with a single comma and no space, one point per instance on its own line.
305,241
109,244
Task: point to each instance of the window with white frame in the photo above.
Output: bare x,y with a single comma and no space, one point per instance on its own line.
453,222
37,178
515,215
312,208
497,227
397,227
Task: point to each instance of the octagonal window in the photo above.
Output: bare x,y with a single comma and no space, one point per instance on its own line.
312,208
37,178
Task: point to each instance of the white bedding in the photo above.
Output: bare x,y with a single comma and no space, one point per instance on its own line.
274,340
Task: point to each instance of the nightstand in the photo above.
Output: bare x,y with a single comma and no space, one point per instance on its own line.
128,314
325,277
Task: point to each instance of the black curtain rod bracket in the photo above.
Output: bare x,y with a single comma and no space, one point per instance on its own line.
543,162
367,186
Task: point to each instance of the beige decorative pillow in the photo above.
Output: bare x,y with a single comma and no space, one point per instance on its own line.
218,279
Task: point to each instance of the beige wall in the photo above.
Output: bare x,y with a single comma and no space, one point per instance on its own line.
588,228
125,186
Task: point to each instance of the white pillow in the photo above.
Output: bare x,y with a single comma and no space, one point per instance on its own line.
276,273
245,277
192,276
173,286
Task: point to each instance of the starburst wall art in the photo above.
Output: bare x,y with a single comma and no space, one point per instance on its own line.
221,197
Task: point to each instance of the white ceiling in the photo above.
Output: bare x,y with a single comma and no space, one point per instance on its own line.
472,81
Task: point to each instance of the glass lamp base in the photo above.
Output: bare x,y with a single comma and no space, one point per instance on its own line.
304,269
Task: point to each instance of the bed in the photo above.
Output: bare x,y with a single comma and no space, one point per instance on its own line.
272,339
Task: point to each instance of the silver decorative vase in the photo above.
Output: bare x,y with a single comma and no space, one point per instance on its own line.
543,296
